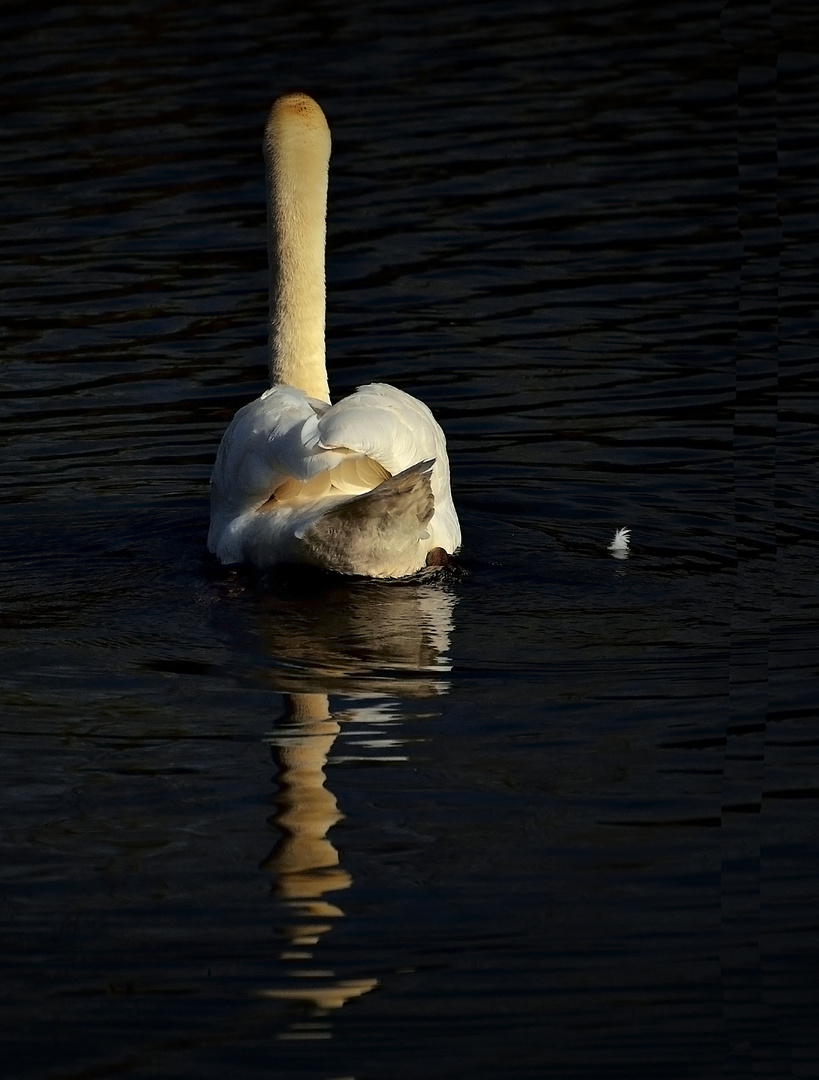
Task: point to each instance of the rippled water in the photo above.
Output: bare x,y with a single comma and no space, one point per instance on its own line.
555,815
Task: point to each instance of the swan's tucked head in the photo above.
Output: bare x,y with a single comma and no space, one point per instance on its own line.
297,125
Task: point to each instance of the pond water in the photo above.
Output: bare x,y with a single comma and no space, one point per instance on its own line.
552,814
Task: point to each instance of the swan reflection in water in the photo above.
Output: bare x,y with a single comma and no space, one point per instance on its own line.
373,645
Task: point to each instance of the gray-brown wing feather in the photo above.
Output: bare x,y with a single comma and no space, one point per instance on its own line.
378,525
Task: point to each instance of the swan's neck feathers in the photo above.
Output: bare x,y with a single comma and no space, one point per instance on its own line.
297,153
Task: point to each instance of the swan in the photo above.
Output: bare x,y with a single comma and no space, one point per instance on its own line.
360,487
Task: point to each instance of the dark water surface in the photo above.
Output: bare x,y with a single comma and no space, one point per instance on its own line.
580,794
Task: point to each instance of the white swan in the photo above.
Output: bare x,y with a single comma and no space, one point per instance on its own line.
360,487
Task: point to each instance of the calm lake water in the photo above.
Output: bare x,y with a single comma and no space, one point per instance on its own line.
554,815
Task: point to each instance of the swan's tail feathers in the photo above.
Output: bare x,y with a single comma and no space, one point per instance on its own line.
379,533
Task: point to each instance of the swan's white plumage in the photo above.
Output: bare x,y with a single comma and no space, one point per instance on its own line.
286,459
362,486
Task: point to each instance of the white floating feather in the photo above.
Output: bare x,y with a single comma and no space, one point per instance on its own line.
619,545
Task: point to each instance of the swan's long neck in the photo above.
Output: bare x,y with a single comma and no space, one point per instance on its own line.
297,153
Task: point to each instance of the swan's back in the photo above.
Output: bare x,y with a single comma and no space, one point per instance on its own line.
361,487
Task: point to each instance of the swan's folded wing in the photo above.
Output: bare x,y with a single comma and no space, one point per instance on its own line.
262,446
384,424
397,431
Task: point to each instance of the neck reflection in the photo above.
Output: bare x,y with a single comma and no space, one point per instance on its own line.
370,649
